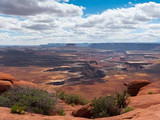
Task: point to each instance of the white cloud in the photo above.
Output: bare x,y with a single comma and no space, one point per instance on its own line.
63,0
130,3
134,24
34,7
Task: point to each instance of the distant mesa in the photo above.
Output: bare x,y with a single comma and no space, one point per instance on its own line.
86,74
70,45
126,46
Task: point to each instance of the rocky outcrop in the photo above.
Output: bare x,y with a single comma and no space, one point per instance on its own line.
87,74
134,86
153,88
6,82
84,112
5,85
6,77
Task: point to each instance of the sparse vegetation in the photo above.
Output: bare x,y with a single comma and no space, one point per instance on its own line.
62,112
109,105
122,99
72,98
35,100
18,109
75,99
72,104
150,92
61,95
127,109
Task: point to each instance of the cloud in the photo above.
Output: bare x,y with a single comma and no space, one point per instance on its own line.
34,7
130,3
63,22
117,25
124,18
63,0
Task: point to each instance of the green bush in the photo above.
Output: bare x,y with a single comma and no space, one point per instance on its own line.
35,100
72,98
61,95
75,99
104,107
18,109
109,105
150,92
122,99
62,113
127,109
72,104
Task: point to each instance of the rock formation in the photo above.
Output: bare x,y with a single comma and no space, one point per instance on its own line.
7,81
153,88
24,83
134,86
84,112
144,101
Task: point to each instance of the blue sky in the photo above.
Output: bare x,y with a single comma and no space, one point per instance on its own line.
98,6
28,22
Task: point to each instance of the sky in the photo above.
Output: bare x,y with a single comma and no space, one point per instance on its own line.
35,22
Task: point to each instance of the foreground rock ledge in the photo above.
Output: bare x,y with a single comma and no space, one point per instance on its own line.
151,113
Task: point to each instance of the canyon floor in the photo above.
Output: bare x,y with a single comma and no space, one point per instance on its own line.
88,72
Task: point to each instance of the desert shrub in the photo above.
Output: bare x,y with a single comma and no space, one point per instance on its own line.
121,99
127,109
62,112
75,99
35,100
104,107
61,95
109,105
18,109
150,92
72,98
72,104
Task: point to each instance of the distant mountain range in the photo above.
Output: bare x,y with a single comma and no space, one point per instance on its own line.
126,46
111,46
106,46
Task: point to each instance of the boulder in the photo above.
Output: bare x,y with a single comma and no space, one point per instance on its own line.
5,85
6,77
134,86
84,112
